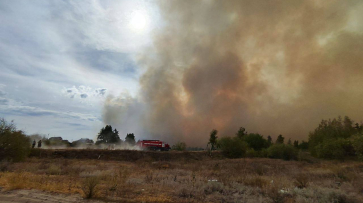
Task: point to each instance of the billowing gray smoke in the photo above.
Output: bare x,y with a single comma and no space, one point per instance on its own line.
273,67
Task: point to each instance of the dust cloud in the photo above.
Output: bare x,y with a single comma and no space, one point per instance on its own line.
273,67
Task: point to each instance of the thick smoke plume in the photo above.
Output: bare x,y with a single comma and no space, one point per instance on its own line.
273,67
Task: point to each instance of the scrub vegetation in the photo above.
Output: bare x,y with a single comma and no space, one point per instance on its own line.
191,180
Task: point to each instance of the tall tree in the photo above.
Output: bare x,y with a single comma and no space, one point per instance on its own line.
108,136
359,128
115,137
130,138
280,139
296,144
213,139
269,140
241,132
14,144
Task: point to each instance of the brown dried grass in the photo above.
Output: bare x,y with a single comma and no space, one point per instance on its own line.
244,180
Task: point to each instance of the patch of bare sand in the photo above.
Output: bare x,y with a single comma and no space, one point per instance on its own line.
36,196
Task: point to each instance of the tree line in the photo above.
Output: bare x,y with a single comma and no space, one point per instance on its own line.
109,136
255,145
336,138
333,139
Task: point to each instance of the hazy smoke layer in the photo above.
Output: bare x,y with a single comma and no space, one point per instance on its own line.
273,67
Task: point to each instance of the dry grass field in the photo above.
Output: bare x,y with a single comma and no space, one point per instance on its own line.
187,177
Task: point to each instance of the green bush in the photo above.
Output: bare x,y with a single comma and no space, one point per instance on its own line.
282,151
232,147
263,153
334,149
180,146
357,143
255,141
331,130
14,145
303,145
253,153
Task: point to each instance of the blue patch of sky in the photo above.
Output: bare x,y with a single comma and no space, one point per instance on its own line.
3,101
30,113
108,61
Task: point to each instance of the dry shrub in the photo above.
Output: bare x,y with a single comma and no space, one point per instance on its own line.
301,180
256,181
343,173
186,193
336,197
117,180
259,169
217,167
212,187
358,184
275,194
225,178
54,170
165,166
122,175
90,187
149,177
323,195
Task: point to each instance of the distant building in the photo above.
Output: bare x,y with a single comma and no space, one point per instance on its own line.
82,141
55,139
85,140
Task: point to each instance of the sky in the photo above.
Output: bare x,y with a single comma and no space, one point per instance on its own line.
60,59
175,70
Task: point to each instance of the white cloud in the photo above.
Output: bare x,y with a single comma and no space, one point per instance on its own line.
35,111
84,92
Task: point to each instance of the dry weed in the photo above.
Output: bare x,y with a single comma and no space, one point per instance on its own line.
90,187
149,177
301,180
275,194
343,173
54,170
256,181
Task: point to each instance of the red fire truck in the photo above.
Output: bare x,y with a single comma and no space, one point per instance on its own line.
155,145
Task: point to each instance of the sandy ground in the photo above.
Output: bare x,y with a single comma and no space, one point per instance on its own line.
35,196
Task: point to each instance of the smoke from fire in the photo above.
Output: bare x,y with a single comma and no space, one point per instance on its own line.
273,67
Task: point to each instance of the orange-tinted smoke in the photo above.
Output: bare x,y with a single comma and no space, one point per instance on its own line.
273,67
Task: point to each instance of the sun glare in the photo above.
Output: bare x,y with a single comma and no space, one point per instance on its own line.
139,21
